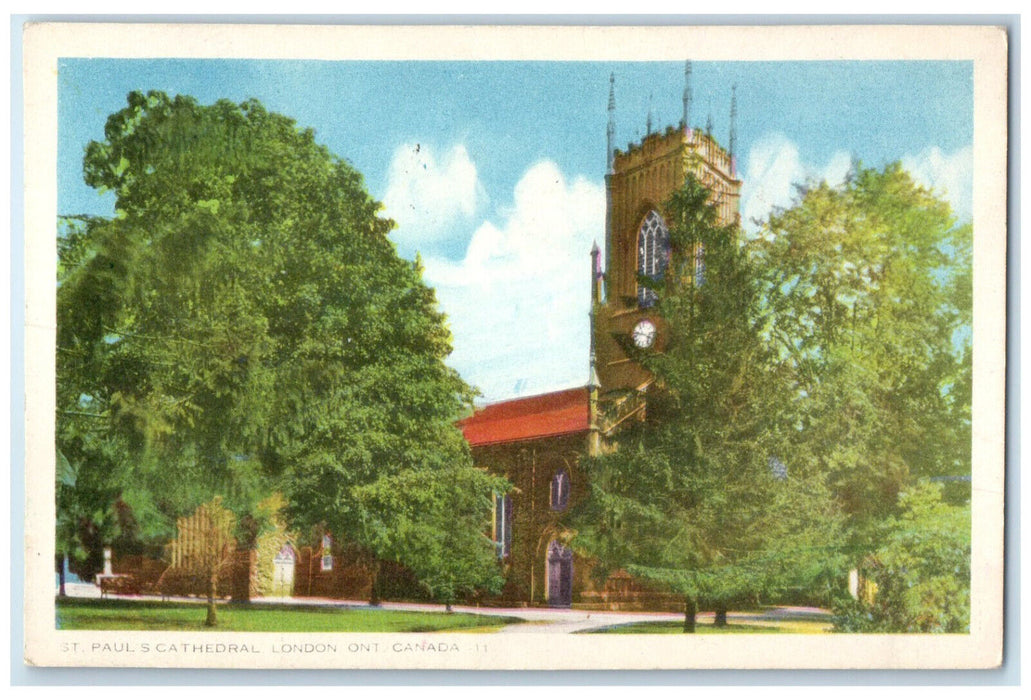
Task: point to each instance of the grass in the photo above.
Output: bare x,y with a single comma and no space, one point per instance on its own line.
786,627
87,614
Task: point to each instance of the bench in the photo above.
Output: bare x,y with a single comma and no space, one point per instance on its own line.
119,584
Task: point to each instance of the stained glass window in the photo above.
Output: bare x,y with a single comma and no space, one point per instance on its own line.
327,553
560,490
652,254
502,534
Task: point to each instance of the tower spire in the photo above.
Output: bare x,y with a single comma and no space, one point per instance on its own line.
593,382
596,276
593,417
611,134
685,123
648,130
733,120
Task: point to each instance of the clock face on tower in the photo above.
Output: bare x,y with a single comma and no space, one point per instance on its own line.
643,334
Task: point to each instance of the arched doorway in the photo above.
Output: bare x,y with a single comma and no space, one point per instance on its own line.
283,571
560,575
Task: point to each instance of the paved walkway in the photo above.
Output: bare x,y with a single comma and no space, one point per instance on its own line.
535,620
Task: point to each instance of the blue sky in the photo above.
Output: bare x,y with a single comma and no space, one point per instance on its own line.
494,171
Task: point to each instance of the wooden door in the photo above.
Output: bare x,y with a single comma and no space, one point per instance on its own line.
560,575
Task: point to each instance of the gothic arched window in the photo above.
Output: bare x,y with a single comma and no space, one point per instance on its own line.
502,526
560,490
652,254
327,553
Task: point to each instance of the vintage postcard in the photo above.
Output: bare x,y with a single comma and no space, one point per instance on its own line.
515,347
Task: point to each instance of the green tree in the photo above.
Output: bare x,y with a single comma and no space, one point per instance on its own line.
868,289
243,323
922,569
82,519
436,528
90,456
704,497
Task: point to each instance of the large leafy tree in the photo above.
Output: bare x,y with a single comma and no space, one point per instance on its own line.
432,522
868,288
921,569
244,323
704,497
92,464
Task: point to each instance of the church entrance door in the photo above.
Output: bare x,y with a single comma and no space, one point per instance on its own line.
283,571
560,575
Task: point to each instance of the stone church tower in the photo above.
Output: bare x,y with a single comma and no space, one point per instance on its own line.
537,442
638,183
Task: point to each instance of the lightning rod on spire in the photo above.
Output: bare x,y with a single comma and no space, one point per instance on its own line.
733,120
685,122
648,130
610,156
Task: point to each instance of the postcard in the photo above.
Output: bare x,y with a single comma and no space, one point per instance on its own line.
512,347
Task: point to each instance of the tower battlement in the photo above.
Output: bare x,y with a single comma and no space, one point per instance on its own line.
639,183
672,141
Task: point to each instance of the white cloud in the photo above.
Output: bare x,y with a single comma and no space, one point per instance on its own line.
774,167
425,194
836,169
949,175
518,302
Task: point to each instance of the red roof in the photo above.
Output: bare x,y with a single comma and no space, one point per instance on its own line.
547,415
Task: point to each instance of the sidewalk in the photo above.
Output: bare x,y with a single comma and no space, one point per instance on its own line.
535,620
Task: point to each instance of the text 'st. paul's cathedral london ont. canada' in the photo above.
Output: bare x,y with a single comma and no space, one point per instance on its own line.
537,442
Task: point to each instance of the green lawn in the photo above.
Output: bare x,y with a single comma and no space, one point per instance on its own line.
792,627
83,614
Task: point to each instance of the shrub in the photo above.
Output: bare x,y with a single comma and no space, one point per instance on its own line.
922,571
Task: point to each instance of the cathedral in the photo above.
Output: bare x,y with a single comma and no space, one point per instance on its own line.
536,442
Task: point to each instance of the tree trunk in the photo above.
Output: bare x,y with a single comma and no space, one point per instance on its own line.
374,592
212,618
690,611
60,576
721,615
241,562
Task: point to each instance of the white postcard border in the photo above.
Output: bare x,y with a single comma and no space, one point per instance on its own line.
44,44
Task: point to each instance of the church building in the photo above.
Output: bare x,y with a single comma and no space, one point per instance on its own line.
536,442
